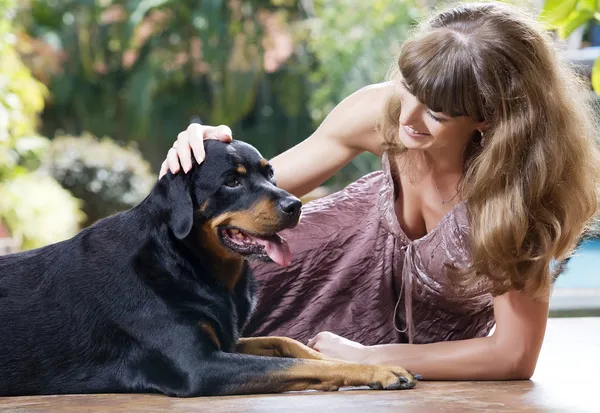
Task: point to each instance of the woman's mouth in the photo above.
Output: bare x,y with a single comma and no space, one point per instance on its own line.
414,133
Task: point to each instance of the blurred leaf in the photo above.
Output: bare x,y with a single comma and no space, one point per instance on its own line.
576,19
596,76
140,87
62,88
143,7
290,88
555,12
589,5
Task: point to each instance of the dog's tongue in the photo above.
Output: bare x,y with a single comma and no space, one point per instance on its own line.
277,249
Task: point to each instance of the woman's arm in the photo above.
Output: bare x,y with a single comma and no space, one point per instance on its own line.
346,132
510,353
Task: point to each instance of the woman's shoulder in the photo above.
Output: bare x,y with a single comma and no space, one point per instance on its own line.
360,114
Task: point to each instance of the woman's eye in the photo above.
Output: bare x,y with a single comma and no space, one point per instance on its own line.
435,118
233,182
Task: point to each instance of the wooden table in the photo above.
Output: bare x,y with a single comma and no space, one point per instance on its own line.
566,380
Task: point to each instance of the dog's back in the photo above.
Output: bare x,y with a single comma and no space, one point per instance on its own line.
53,306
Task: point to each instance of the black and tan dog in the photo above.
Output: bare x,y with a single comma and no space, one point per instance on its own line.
153,299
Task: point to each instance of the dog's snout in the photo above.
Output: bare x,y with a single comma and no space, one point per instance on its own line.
290,206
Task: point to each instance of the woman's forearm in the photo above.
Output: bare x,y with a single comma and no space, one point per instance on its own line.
473,359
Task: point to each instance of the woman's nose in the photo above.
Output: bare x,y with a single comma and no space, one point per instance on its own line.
411,112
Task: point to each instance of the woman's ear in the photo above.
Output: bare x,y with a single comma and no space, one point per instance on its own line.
482,127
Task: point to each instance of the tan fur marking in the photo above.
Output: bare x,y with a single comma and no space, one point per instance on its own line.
241,169
231,272
278,347
210,330
318,372
228,265
261,218
264,162
331,375
210,239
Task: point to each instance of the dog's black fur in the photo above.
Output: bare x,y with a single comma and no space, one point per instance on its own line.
153,299
117,308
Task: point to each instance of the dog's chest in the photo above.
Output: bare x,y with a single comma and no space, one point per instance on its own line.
222,321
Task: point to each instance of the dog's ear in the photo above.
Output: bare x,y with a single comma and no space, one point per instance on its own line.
175,194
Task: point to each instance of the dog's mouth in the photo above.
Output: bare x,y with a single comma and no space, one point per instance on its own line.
266,247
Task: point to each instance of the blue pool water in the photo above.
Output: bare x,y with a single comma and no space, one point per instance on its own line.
583,270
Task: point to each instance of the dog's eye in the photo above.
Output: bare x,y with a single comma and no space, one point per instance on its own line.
233,182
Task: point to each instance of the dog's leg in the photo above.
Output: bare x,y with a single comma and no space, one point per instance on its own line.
278,347
233,373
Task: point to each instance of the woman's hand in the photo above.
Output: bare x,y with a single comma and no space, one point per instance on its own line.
191,140
337,347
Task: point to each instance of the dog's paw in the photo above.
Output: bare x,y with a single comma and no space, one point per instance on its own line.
417,377
391,378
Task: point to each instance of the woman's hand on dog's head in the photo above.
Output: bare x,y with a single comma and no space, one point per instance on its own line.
191,140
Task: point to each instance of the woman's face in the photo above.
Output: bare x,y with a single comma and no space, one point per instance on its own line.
421,128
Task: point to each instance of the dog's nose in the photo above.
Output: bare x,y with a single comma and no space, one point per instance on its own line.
291,206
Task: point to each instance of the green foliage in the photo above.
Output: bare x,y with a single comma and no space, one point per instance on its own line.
107,177
21,97
34,207
565,16
139,70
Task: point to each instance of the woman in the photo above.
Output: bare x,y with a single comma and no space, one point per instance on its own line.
490,172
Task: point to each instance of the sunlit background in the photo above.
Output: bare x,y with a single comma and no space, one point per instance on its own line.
94,92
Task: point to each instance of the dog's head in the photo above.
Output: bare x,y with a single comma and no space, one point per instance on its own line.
231,204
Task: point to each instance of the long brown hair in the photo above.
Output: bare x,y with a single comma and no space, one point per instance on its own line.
533,188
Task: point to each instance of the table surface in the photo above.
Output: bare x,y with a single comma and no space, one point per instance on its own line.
566,380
